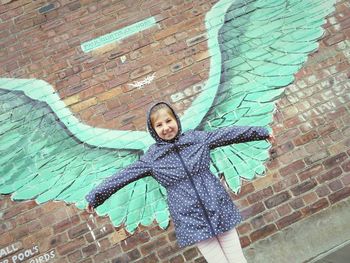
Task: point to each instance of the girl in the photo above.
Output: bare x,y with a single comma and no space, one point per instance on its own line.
202,210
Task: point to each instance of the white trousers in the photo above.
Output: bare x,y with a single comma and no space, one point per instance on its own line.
224,248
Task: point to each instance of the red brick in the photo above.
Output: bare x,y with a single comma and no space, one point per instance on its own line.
140,102
53,241
78,230
305,138
270,216
345,24
147,259
29,215
190,253
18,208
272,164
76,256
286,147
53,214
166,251
172,236
134,240
346,179
110,253
258,222
339,195
309,198
315,207
115,112
335,39
335,172
346,166
99,233
260,195
337,113
322,191
288,220
155,231
283,210
140,72
292,122
6,226
310,172
6,239
277,199
246,189
335,185
121,79
285,183
177,259
244,228
245,241
297,203
36,227
183,74
316,156
74,89
150,245
10,14
324,130
292,168
304,187
70,246
335,160
263,232
253,210
65,224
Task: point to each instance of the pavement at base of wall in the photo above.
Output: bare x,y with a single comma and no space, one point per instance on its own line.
320,238
339,254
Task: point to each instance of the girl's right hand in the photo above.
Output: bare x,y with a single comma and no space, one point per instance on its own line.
90,209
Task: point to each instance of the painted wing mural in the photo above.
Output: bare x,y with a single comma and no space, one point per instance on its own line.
262,45
256,47
42,160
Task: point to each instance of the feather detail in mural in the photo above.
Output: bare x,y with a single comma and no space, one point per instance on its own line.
42,160
262,45
255,49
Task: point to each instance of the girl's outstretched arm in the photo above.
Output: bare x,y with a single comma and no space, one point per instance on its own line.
235,134
112,184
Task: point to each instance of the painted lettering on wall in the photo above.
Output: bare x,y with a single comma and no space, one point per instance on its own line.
6,251
118,35
15,254
43,258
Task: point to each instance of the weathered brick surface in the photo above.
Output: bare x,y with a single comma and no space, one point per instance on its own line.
263,232
308,170
277,199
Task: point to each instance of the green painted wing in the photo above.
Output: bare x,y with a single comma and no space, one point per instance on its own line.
40,159
263,43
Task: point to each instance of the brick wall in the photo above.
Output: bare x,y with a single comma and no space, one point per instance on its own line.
309,167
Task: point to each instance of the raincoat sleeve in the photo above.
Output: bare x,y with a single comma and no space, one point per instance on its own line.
235,134
112,184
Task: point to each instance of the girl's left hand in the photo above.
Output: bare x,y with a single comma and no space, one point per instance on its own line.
271,139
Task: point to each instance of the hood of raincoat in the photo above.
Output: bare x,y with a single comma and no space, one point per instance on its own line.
152,131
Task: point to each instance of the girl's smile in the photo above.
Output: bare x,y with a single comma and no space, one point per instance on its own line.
165,125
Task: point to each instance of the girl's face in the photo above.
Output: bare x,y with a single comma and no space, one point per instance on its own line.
165,125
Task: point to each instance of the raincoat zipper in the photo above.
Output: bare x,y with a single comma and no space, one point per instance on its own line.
195,189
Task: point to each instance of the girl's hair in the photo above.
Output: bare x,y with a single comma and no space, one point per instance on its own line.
158,107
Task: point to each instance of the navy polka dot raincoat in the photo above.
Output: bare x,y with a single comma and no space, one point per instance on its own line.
198,203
